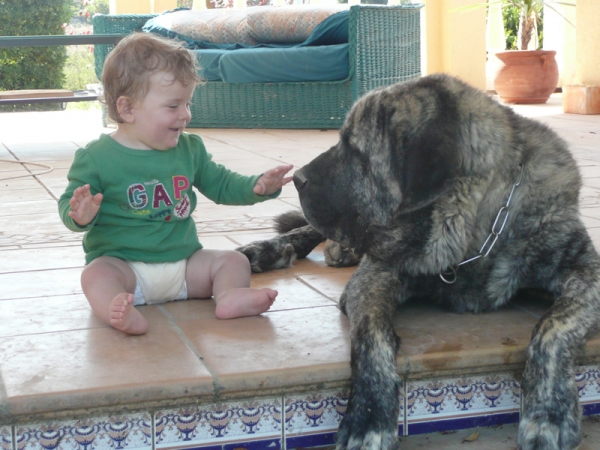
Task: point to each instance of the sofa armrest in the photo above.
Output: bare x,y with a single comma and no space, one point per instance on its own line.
114,24
385,45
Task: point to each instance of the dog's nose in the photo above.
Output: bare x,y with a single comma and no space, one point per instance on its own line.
299,180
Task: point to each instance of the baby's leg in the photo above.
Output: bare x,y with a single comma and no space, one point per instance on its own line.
107,284
226,276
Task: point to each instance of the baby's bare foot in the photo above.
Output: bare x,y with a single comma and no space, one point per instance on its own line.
244,302
124,317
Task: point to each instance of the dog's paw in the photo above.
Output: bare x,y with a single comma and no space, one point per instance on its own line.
538,434
366,429
268,255
338,256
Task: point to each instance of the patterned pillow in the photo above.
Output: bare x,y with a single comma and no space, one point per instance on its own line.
286,24
251,26
225,26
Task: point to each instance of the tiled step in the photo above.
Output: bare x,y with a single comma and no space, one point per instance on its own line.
460,371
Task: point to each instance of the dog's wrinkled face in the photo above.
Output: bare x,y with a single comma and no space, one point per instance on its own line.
386,163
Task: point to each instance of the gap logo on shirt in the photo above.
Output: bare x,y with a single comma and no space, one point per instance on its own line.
155,196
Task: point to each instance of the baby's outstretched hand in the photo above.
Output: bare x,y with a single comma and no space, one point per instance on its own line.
272,180
84,205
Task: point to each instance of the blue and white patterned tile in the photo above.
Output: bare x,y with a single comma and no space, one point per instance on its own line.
6,437
461,402
127,432
313,419
587,379
253,423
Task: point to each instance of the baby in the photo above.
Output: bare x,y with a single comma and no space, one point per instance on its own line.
131,192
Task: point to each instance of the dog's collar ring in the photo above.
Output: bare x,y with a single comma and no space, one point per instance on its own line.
449,275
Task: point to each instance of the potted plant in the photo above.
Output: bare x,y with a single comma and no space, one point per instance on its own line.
527,76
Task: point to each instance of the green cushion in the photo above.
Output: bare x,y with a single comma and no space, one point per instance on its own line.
261,65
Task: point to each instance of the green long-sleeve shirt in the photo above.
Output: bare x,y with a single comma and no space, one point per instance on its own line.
148,199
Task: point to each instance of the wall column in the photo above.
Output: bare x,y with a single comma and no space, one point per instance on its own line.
455,40
581,92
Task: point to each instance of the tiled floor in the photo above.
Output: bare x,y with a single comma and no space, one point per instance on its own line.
281,375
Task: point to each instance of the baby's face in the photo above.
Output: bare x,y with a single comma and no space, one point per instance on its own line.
161,116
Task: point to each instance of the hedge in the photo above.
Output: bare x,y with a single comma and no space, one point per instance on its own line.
33,67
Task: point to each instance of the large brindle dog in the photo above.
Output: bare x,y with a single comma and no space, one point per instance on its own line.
448,194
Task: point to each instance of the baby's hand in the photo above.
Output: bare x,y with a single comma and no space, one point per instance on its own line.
84,205
272,180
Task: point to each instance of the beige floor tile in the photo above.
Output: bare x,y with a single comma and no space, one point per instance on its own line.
293,293
589,173
7,166
26,208
191,309
41,283
590,222
41,259
60,166
331,286
217,242
208,211
465,341
30,220
99,367
43,151
18,184
29,194
46,315
293,347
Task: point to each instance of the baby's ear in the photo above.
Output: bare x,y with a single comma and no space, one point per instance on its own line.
125,108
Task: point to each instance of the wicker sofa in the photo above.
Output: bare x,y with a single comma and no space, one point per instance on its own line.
384,48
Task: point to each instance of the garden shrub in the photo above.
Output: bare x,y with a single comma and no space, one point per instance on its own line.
33,67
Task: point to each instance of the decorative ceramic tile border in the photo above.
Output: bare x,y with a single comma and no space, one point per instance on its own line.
454,403
307,420
313,419
252,424
128,432
588,385
6,437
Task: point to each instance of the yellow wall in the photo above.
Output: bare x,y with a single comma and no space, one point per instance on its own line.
577,54
141,6
587,69
559,35
455,40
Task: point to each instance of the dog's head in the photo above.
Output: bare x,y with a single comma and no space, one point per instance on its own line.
398,152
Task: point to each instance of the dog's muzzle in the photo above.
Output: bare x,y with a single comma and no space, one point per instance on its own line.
299,180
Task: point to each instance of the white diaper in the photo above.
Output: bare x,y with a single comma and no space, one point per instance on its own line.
159,282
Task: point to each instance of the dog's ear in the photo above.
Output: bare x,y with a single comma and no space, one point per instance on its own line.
429,162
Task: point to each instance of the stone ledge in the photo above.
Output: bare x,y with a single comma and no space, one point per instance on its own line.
581,99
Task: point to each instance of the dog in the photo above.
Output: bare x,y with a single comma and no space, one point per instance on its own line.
442,192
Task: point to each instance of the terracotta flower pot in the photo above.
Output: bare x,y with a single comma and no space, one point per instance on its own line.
526,76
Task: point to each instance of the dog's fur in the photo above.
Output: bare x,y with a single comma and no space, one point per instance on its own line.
419,176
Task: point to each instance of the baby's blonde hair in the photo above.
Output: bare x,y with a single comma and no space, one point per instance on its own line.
127,69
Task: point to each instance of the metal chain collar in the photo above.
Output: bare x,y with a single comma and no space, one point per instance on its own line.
450,275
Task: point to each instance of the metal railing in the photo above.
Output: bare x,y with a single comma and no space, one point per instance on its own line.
47,41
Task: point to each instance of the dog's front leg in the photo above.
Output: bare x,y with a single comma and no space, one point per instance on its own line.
371,419
551,411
